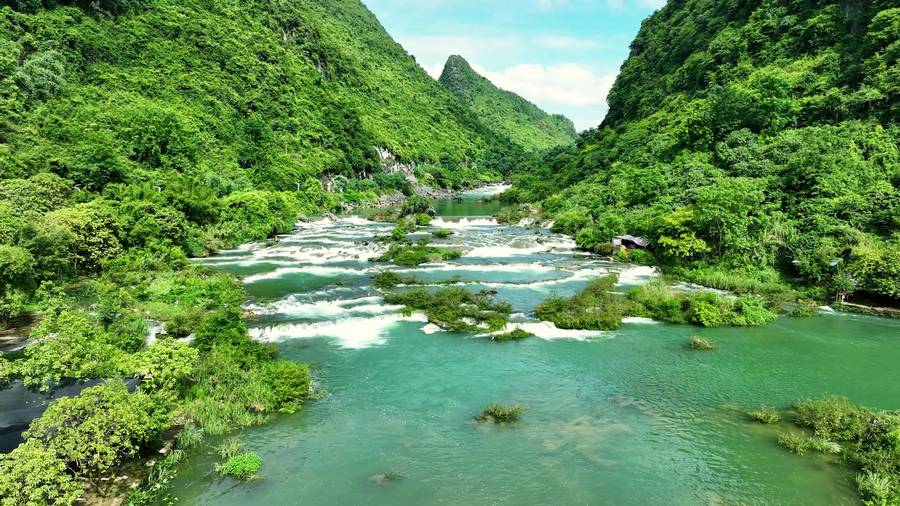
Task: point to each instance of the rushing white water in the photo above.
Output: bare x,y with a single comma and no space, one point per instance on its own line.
316,281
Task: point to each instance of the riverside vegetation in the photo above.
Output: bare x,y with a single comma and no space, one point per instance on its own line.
756,150
123,154
759,147
866,440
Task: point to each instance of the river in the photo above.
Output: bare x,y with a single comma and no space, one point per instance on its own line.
624,417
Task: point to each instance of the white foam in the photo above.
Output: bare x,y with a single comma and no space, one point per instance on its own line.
510,251
431,329
341,308
637,274
514,268
549,331
351,333
639,319
464,223
311,270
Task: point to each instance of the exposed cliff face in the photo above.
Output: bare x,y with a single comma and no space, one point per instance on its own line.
507,113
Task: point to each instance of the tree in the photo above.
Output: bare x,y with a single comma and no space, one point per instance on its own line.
166,364
68,345
32,475
96,430
42,75
677,240
92,229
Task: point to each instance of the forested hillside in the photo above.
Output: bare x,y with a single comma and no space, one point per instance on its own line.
509,114
758,137
137,133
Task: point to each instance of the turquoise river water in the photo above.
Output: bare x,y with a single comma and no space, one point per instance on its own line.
624,417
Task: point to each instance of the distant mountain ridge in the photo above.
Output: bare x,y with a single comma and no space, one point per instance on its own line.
507,113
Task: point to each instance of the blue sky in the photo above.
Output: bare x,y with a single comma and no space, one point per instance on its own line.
561,54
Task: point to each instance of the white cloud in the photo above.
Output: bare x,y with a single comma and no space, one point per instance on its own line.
554,87
570,88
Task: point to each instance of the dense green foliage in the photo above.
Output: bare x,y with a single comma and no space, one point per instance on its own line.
455,308
507,113
706,309
593,308
597,307
32,475
756,134
867,440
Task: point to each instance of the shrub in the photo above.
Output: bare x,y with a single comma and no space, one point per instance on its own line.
455,308
594,308
96,430
33,475
797,443
290,382
500,414
242,467
514,335
701,344
423,220
442,233
390,279
766,415
416,204
417,254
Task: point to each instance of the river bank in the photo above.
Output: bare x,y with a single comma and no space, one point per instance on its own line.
631,415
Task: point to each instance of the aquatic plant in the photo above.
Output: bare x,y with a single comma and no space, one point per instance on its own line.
190,436
700,344
513,335
876,488
824,445
834,417
868,440
765,414
442,233
500,414
386,477
242,467
230,447
797,443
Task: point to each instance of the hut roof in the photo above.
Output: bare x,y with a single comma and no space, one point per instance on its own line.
640,241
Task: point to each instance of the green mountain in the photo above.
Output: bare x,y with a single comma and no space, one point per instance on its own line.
757,136
137,133
250,94
509,114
